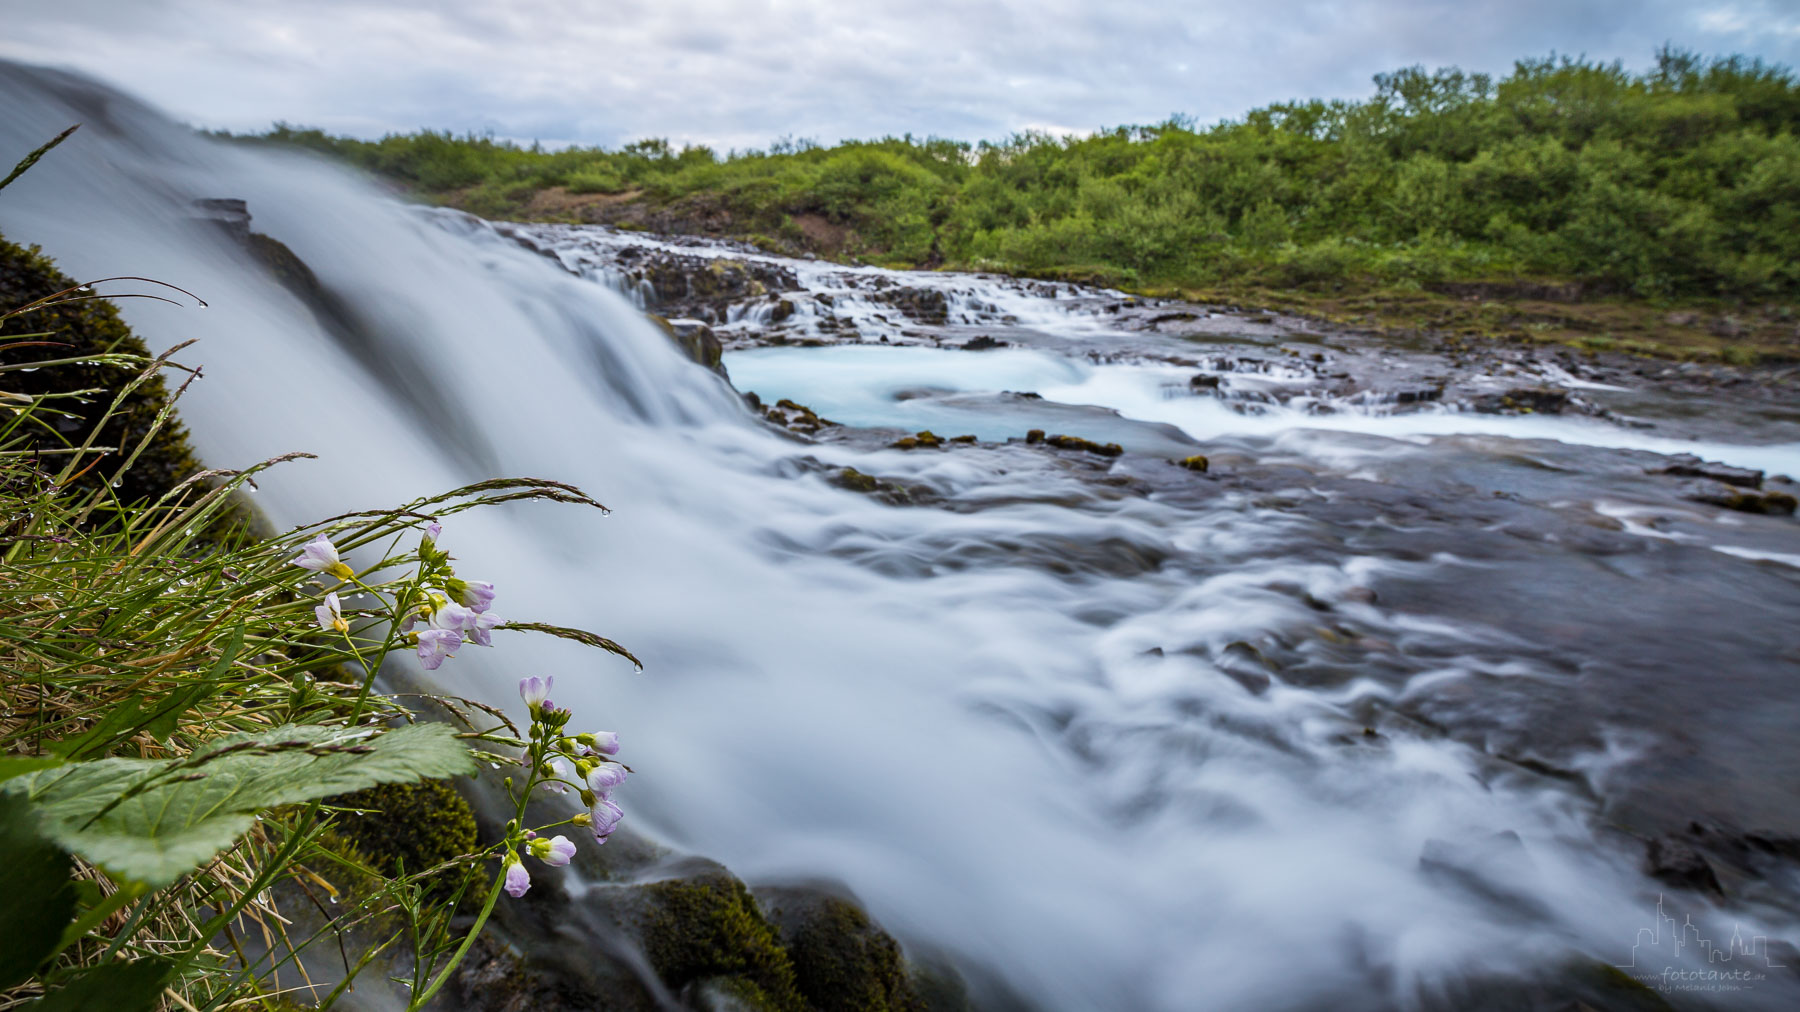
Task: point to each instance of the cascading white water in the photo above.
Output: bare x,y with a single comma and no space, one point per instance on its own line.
982,748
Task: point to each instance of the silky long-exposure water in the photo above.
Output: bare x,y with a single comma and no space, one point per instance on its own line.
1382,708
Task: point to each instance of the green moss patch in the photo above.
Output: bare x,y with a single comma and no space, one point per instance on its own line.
81,328
710,926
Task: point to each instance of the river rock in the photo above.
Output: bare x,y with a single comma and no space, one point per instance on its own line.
1689,466
842,960
1063,442
1673,861
1539,400
695,339
1744,500
702,287
925,305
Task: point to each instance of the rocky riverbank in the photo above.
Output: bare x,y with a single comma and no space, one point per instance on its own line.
1253,363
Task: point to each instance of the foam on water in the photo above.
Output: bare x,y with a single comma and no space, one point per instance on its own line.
863,385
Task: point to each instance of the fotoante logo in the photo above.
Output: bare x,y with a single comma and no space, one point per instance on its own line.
1667,957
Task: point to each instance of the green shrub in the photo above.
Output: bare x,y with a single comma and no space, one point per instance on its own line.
1677,182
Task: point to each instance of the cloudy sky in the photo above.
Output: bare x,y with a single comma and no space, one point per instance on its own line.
741,73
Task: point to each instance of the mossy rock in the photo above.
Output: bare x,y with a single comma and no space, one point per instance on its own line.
84,328
408,827
1769,501
708,926
927,439
695,339
1197,462
1063,442
856,481
843,961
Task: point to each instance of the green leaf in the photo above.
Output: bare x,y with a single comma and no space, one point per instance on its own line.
116,987
37,898
12,766
153,821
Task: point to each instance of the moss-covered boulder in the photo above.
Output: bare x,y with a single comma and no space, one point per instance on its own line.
925,438
86,327
1063,442
843,961
707,926
407,828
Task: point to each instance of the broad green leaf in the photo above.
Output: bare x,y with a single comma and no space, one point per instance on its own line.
37,898
115,987
155,820
19,765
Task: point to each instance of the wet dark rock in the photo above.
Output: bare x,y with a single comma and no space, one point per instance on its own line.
1034,436
797,417
1775,844
982,343
1486,867
1419,395
1689,466
1744,500
1062,442
784,308
924,305
229,213
702,287
1197,462
1539,400
1204,381
695,339
923,439
843,962
856,481
1674,861
894,493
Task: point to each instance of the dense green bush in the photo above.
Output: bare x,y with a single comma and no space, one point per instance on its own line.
1680,181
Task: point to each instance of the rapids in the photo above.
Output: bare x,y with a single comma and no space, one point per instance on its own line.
1381,708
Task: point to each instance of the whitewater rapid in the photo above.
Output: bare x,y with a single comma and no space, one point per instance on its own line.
1044,771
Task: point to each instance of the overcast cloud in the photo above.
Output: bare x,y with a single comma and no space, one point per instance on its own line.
741,73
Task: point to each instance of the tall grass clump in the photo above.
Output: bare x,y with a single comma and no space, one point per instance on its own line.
187,706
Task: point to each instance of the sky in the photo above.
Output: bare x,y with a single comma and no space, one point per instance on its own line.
744,73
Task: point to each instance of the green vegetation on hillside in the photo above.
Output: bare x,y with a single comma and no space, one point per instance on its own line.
1681,182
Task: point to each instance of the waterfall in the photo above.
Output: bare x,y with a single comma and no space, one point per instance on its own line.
1007,729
